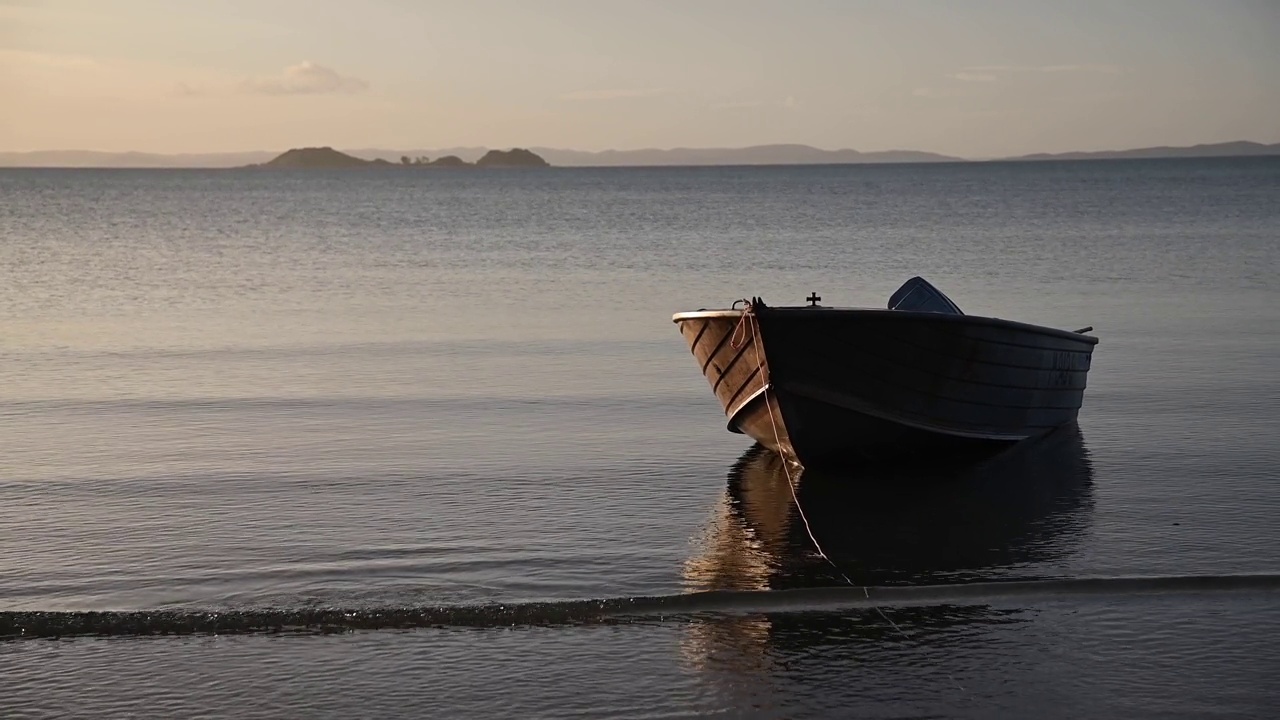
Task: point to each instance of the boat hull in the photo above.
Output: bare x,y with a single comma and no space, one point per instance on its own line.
833,387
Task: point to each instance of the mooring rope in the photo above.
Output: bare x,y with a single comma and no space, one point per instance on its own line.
748,316
733,339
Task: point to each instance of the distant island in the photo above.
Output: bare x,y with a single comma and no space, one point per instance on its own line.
328,158
316,157
470,157
1240,148
781,154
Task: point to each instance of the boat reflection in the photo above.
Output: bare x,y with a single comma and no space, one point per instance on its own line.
1020,514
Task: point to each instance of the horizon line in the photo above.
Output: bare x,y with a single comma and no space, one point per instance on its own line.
782,155
674,148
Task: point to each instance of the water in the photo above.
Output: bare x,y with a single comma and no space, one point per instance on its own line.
397,443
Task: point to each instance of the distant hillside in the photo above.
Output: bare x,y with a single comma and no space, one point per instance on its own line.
1241,148
755,155
450,161
752,155
328,158
466,156
317,157
515,157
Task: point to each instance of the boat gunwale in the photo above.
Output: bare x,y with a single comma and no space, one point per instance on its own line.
916,314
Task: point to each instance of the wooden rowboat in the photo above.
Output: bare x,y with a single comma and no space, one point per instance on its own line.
827,386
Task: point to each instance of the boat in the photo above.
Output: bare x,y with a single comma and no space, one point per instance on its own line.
917,380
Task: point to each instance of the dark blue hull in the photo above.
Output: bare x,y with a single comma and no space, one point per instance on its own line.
830,387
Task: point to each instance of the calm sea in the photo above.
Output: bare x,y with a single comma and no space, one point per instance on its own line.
397,443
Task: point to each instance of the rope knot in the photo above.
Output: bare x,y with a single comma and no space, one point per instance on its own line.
734,341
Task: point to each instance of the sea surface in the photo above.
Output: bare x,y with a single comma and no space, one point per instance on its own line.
427,444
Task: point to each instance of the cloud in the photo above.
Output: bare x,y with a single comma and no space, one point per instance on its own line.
1105,69
988,69
185,89
56,61
306,78
614,94
789,103
998,73
929,92
740,105
973,77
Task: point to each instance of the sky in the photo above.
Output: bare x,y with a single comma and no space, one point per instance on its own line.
982,78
